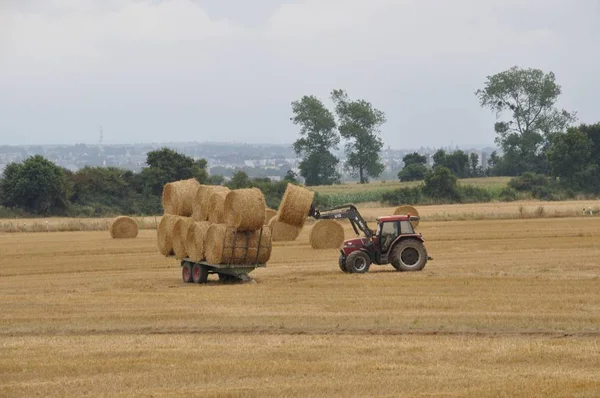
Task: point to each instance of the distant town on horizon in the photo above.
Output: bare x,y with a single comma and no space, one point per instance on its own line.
224,158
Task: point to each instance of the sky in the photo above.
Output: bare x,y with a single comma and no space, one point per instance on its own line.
227,71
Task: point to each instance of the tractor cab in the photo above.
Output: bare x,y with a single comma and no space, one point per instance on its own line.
391,229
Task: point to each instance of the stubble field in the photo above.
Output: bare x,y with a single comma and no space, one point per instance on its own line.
507,307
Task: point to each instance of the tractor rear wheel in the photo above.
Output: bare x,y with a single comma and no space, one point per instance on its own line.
342,263
186,272
409,255
358,262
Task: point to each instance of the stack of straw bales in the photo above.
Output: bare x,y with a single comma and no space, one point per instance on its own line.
214,223
293,211
124,228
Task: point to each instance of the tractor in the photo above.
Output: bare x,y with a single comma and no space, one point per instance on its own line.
395,241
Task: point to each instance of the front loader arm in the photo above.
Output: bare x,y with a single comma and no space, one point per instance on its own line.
346,211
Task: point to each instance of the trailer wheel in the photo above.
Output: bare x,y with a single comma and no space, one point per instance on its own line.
409,255
342,263
200,273
186,272
358,262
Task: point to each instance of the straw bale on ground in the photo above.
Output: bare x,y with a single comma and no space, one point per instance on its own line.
406,209
180,230
283,232
200,204
178,197
216,206
165,233
295,205
245,209
269,214
124,227
195,238
327,234
224,245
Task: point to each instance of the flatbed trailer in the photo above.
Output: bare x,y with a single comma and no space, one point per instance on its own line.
235,268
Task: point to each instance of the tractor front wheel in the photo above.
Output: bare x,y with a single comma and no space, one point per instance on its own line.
342,263
409,255
358,262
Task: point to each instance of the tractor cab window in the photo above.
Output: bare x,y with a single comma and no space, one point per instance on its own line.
389,232
406,227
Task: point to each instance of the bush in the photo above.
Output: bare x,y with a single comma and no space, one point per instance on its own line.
407,196
508,195
471,194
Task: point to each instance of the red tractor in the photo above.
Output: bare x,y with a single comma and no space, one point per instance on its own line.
395,241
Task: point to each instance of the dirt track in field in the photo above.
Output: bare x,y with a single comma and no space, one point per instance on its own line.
506,307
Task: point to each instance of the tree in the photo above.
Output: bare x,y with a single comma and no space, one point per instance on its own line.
166,165
290,176
318,136
440,183
475,169
413,172
359,122
530,95
108,187
239,180
571,159
457,162
414,158
37,186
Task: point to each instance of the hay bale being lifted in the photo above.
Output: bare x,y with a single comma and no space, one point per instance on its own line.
245,209
124,227
178,197
283,232
269,214
219,245
194,242
295,205
200,204
179,233
406,209
165,233
216,206
327,234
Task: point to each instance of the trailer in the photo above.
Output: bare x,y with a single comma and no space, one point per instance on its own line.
238,261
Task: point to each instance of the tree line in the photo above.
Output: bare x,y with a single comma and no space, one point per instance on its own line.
541,147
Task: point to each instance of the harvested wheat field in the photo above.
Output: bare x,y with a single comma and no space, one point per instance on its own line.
507,307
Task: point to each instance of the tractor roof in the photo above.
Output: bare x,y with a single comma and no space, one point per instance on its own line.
400,217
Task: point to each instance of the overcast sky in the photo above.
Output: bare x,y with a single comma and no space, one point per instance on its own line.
227,70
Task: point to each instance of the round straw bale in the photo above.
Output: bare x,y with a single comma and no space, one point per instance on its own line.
180,229
165,233
216,206
178,197
269,213
200,205
295,205
245,209
224,245
283,232
327,234
124,228
194,242
406,209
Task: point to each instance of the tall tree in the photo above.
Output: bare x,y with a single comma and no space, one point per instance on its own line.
530,96
359,123
475,169
318,135
37,185
166,165
414,167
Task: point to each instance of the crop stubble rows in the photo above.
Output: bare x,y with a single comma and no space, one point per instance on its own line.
506,306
